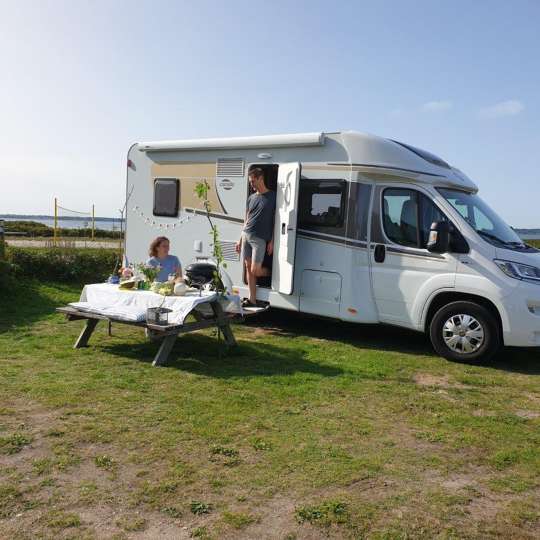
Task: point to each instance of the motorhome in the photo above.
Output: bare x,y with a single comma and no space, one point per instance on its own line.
367,230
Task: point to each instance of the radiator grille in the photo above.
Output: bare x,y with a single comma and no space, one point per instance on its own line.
229,251
230,167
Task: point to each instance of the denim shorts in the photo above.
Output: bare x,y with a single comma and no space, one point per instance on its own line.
253,248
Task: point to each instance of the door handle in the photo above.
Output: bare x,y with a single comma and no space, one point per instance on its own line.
380,253
283,228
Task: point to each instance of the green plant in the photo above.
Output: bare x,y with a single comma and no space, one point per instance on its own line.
201,190
198,508
150,272
104,462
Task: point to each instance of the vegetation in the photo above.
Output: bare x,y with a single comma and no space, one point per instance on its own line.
63,264
201,190
41,230
311,429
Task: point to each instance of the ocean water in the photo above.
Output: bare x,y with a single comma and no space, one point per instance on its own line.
105,224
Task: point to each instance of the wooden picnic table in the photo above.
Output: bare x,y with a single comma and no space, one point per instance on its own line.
167,333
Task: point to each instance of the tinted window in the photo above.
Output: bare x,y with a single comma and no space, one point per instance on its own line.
408,216
358,212
166,197
424,154
322,204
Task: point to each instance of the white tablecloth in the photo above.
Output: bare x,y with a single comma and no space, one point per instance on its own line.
110,300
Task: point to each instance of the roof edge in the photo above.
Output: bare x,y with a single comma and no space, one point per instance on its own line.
225,143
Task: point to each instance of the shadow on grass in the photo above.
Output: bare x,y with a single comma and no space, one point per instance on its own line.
200,354
380,337
26,303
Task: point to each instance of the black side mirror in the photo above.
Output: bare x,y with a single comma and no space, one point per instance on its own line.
439,237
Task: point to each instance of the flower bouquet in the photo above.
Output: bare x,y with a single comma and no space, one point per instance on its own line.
149,272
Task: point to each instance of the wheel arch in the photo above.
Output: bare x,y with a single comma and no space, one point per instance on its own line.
447,297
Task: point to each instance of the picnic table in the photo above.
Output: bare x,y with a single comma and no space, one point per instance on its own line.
125,307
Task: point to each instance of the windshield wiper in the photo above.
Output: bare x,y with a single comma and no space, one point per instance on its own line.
502,242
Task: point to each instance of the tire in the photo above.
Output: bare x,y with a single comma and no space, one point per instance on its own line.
465,332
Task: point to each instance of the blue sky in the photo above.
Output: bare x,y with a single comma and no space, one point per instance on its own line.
83,80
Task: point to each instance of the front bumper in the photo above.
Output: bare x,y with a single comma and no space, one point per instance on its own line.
522,328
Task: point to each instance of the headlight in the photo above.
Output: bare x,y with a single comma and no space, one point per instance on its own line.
519,271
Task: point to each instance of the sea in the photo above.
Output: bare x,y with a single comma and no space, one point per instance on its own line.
104,223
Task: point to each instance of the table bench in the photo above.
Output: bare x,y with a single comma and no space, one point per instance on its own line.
167,333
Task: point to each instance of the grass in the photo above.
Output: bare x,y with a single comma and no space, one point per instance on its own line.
311,428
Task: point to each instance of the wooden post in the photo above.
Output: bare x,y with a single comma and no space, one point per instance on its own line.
2,241
55,233
93,223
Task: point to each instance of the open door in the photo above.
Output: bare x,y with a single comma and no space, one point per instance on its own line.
285,227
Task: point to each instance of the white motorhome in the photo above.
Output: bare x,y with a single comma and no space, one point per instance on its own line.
367,230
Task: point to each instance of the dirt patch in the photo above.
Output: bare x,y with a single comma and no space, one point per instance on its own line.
529,415
438,381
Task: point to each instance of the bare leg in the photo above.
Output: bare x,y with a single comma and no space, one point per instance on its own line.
258,270
252,282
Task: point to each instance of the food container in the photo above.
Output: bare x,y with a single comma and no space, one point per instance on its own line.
158,315
180,289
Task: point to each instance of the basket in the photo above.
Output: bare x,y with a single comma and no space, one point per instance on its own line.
158,315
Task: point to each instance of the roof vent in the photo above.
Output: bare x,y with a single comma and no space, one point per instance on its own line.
230,167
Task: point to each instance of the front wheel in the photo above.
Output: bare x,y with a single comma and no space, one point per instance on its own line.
465,332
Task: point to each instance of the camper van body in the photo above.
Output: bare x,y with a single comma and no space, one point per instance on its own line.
350,232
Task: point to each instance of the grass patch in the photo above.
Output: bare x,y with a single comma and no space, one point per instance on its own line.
62,520
238,520
13,444
334,414
132,523
324,514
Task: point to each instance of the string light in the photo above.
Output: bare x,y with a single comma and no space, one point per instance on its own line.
152,223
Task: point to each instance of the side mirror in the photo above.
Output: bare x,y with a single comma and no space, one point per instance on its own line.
439,237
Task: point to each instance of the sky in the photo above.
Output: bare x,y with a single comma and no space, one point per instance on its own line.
80,81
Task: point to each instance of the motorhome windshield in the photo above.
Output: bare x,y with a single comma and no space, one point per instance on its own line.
483,219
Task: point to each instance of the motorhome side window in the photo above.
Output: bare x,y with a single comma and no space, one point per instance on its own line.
408,215
322,205
166,197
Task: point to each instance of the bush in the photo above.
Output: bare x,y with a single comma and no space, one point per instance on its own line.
34,228
7,271
64,264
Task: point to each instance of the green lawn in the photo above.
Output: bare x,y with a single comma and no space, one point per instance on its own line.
310,429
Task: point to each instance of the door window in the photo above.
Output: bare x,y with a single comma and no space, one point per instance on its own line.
408,216
322,205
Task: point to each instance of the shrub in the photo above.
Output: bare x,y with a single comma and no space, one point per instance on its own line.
64,264
34,228
7,271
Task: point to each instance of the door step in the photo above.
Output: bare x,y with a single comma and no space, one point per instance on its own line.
255,310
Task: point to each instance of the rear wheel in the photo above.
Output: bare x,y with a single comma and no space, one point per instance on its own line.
466,332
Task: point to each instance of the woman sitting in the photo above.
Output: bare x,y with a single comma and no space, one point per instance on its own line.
159,256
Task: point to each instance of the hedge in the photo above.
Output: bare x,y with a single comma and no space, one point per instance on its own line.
63,264
34,228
